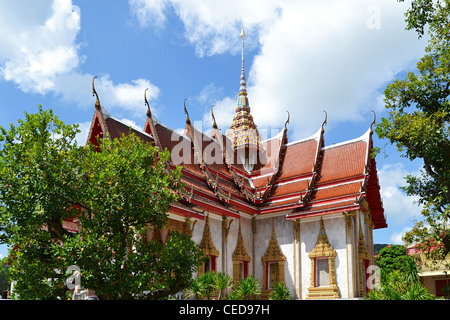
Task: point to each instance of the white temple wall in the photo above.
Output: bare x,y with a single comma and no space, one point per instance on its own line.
297,275
215,224
284,235
335,230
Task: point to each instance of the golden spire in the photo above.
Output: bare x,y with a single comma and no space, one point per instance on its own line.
243,84
243,131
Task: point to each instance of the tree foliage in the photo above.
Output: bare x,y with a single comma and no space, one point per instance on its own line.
399,277
391,257
419,121
115,191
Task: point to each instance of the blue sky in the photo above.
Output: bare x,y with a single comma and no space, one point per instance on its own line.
301,56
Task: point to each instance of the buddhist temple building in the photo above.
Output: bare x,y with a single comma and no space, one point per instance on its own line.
299,212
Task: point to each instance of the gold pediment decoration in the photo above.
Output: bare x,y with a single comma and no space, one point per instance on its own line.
240,253
273,252
323,247
207,245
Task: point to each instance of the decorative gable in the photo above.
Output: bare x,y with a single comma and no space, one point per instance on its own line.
207,245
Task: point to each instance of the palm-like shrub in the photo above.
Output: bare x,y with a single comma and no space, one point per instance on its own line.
280,292
401,284
208,284
247,289
222,281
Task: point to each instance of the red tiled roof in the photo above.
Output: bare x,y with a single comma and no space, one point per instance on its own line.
299,159
344,161
336,191
117,128
302,178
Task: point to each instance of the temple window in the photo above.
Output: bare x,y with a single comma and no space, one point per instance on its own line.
323,270
208,248
240,259
274,274
273,262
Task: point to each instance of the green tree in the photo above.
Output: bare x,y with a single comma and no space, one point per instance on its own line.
391,258
38,176
116,192
418,122
4,279
399,277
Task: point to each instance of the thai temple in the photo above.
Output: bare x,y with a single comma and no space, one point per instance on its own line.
298,212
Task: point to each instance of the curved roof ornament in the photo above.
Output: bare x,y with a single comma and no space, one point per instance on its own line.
373,122
213,117
149,113
287,121
188,120
97,102
326,118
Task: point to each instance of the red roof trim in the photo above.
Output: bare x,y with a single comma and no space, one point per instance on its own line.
301,215
185,212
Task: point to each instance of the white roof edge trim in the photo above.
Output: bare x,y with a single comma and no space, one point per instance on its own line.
315,136
365,137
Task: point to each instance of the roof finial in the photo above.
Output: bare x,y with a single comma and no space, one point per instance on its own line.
326,118
373,122
149,114
213,117
287,121
188,120
97,102
243,84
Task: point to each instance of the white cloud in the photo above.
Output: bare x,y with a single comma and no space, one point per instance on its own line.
222,112
36,51
314,55
40,54
149,12
129,96
399,208
397,236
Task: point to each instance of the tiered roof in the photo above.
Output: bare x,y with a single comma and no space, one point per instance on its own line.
297,179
